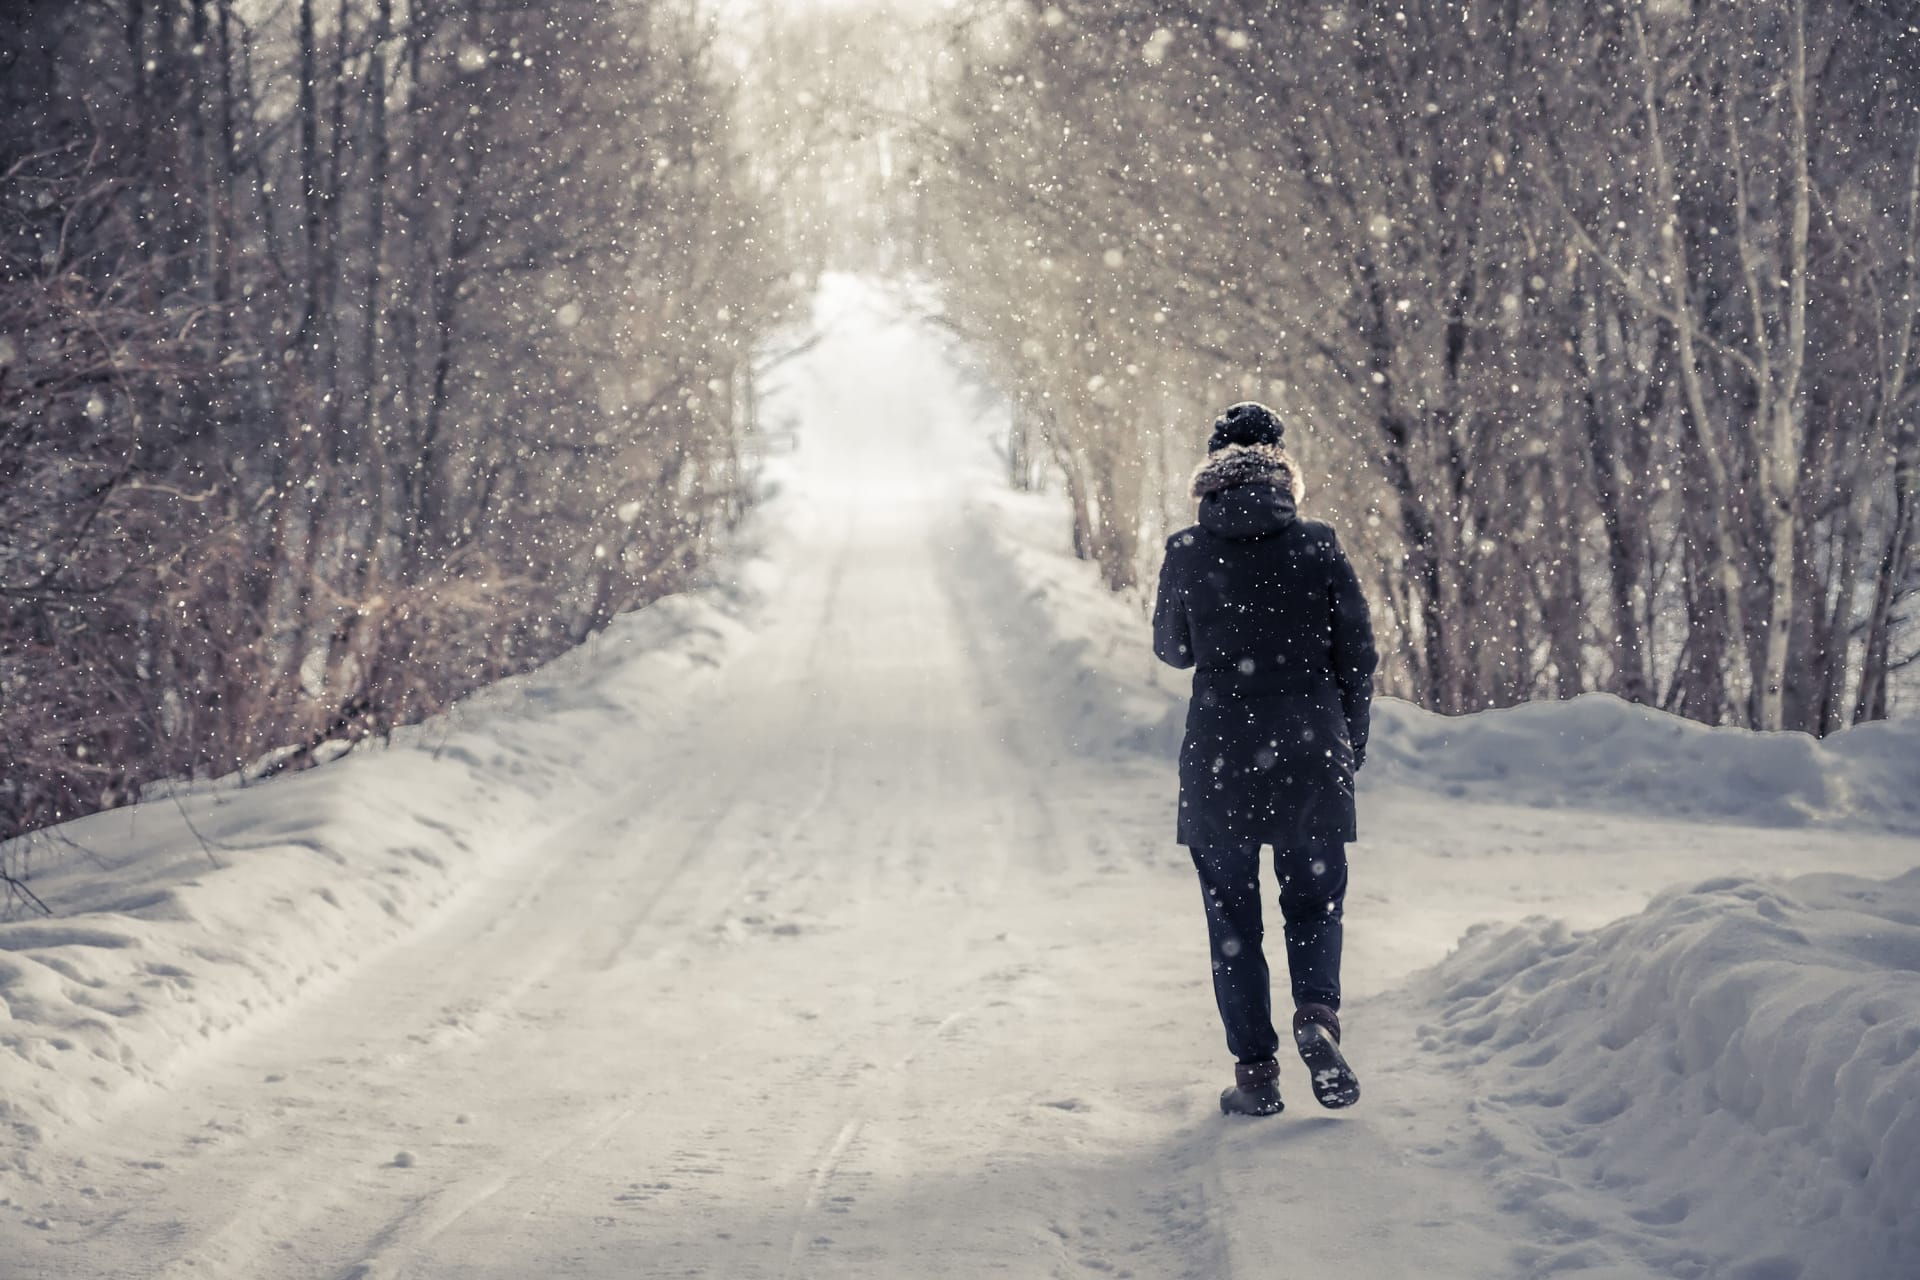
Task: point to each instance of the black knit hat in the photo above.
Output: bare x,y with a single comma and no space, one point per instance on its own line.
1246,423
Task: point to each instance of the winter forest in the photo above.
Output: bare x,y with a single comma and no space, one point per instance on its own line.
524,487
357,353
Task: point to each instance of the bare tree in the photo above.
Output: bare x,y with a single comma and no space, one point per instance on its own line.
1564,300
313,414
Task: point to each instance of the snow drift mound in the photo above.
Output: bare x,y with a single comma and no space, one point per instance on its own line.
1598,751
1728,1082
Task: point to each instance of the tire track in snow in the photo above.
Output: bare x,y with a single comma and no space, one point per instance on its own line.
432,1215
823,1175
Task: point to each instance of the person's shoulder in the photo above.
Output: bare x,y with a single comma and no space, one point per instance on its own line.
1181,539
1317,534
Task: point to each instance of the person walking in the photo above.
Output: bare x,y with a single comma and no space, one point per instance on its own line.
1266,609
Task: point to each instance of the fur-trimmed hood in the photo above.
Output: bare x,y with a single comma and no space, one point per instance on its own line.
1239,464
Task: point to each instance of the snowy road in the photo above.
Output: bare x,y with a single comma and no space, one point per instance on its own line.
863,968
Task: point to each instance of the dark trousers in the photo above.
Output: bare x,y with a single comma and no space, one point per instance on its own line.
1313,890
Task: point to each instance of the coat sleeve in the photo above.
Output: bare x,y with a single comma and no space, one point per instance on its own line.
1354,657
1172,638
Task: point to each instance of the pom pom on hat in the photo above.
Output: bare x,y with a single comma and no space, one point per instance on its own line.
1246,423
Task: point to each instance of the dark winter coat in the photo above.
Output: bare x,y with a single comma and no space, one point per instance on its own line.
1267,610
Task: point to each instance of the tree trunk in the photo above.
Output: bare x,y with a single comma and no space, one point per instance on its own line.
1626,555
1780,455
1709,452
1890,574
1834,628
1077,498
339,446
374,443
309,124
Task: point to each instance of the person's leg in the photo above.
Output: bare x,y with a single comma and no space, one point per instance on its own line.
1313,891
1230,883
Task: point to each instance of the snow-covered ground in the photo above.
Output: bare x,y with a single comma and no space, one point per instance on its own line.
826,921
1731,1075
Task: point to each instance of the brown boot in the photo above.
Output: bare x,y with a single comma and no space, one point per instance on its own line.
1256,1090
1316,1032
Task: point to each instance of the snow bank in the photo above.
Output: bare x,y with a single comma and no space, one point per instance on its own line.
1597,751
180,918
1727,1084
1095,657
